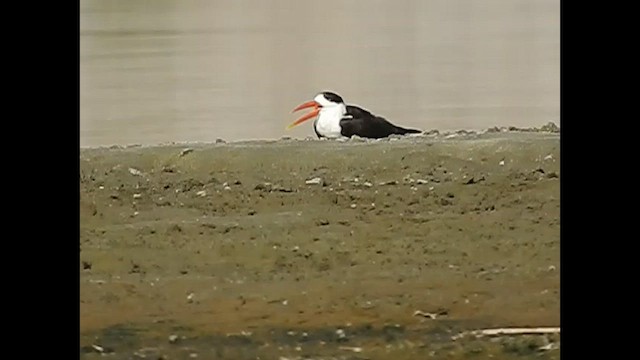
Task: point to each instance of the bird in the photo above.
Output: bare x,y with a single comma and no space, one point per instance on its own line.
338,120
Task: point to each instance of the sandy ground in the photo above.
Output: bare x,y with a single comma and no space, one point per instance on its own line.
308,249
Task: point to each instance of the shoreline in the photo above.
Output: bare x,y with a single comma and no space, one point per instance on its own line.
549,128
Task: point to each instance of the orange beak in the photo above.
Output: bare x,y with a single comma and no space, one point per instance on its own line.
312,114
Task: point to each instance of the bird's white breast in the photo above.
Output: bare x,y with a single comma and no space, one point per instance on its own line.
328,123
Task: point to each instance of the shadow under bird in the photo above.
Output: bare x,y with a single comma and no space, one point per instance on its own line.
337,119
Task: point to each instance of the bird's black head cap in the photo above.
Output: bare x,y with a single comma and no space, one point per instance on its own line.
331,96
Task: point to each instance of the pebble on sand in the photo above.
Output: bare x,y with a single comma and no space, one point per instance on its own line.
135,172
314,181
185,151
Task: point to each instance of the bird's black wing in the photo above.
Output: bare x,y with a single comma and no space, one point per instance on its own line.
360,122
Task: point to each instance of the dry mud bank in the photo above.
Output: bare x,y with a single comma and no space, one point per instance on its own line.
296,249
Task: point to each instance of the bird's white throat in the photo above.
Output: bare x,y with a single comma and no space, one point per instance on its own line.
328,122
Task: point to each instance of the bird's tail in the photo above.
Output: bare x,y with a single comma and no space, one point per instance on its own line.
403,131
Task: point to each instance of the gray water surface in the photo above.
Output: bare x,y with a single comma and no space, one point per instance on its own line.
154,71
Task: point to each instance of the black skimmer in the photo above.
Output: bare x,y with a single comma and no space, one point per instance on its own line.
337,119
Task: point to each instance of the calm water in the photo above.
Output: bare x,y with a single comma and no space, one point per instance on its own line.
154,71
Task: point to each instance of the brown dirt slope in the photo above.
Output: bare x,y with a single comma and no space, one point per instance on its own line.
204,241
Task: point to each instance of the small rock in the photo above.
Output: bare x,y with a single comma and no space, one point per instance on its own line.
353,206
86,265
251,212
548,157
473,180
140,354
550,127
444,202
202,193
227,188
432,315
368,305
356,349
135,172
282,189
185,151
466,132
102,349
392,182
322,222
264,186
173,339
137,196
220,141
549,346
551,268
408,179
421,181
314,181
501,163
135,269
341,335
428,315
190,297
